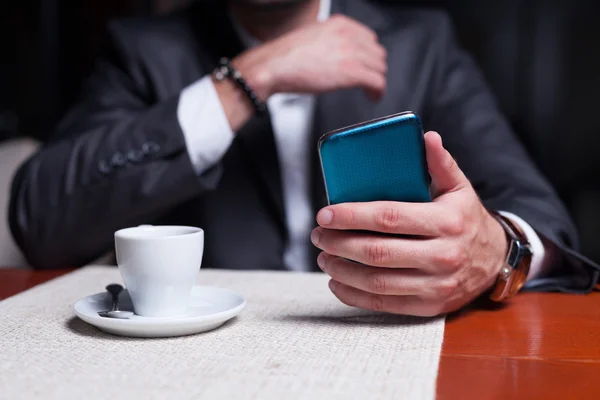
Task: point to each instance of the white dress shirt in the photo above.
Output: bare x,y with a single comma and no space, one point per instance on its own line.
208,136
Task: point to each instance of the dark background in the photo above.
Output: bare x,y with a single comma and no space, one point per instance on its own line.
540,57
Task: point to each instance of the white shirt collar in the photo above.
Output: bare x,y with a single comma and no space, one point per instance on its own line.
249,41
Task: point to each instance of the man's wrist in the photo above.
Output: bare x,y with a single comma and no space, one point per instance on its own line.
500,245
226,71
256,73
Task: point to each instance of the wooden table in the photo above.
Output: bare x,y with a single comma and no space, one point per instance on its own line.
540,346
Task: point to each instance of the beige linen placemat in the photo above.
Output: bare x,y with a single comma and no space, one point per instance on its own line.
293,340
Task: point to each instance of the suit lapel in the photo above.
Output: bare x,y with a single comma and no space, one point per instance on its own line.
256,137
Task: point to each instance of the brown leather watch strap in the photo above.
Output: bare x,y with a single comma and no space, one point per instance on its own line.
513,274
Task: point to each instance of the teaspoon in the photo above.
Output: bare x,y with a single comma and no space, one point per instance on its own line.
115,289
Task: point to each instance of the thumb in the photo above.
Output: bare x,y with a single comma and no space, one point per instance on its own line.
445,174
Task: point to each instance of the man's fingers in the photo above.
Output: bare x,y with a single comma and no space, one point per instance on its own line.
368,59
445,173
375,250
373,60
372,279
405,305
385,216
370,50
373,83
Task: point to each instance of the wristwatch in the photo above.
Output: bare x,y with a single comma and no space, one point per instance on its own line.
513,273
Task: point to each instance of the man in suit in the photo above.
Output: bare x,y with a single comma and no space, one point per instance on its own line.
163,136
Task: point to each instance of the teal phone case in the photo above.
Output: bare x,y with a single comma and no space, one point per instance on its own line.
383,159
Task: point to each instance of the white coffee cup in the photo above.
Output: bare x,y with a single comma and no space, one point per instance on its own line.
159,265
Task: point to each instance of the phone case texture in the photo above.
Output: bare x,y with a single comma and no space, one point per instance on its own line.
380,160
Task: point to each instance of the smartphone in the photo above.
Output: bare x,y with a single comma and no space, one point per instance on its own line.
381,159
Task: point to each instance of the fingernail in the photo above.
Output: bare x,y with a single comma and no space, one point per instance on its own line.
325,217
333,286
315,236
321,261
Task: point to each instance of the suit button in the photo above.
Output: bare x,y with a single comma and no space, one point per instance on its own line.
118,160
104,168
135,156
150,148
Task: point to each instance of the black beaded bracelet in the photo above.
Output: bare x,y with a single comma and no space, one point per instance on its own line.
226,70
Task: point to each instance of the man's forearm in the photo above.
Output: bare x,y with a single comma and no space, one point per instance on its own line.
69,199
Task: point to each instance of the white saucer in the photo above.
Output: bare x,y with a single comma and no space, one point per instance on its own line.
210,307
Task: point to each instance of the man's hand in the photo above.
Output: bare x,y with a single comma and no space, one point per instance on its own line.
325,56
453,254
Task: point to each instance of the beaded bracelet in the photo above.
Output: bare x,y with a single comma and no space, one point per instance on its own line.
226,70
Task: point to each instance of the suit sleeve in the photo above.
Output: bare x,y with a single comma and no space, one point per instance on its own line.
117,159
461,108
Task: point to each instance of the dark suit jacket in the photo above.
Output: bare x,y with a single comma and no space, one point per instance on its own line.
118,158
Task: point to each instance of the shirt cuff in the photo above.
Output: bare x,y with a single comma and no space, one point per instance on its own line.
205,127
542,258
